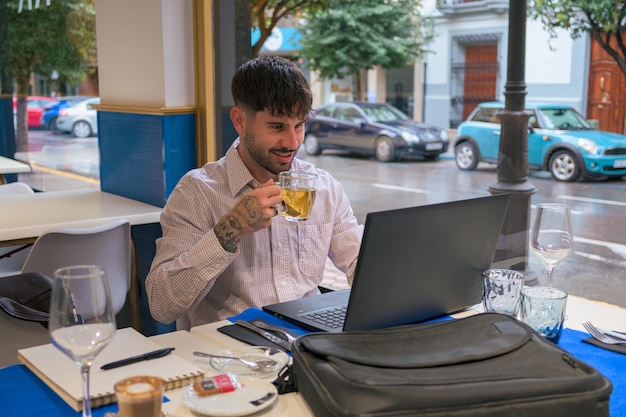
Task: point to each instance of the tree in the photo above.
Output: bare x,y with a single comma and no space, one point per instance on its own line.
605,20
353,36
59,37
267,13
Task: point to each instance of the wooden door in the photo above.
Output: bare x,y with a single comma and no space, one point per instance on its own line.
481,74
607,90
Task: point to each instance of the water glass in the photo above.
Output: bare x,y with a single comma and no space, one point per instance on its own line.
543,309
502,289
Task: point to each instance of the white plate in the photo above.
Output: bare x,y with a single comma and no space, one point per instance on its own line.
233,366
255,395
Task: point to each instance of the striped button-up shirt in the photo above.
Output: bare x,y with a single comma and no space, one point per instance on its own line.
194,279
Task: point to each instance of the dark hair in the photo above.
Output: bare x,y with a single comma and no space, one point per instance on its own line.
274,84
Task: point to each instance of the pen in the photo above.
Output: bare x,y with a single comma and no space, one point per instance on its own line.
143,357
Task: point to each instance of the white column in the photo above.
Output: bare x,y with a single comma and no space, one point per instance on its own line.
145,52
377,85
317,88
418,89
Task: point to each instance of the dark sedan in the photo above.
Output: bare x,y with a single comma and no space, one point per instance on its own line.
373,129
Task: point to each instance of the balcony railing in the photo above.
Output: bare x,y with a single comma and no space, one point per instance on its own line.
456,7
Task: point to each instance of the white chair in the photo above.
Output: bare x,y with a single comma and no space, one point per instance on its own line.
15,188
108,246
12,257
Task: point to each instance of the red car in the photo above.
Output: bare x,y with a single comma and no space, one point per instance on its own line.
34,108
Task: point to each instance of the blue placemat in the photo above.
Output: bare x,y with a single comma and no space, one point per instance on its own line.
611,364
23,394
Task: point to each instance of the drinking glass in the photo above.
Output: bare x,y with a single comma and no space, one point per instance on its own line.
298,192
551,235
82,321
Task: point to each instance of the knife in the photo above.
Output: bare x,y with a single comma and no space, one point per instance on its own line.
267,335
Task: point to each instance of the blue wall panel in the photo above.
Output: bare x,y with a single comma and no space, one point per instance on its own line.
7,133
179,134
142,157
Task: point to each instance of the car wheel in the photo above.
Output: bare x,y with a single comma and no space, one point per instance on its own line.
384,150
466,156
81,129
564,166
311,146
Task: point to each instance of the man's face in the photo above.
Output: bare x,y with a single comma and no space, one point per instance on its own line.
269,142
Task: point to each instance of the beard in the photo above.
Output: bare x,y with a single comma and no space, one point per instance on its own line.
263,156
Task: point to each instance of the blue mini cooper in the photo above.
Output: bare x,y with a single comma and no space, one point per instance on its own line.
560,140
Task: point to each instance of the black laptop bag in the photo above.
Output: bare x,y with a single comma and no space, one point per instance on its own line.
483,365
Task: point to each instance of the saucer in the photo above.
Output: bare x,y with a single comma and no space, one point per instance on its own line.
233,366
255,395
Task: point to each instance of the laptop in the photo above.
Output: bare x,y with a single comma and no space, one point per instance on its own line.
414,264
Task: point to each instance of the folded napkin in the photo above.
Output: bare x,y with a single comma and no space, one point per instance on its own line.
615,348
244,335
247,336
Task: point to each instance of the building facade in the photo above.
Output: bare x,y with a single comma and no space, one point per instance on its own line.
468,62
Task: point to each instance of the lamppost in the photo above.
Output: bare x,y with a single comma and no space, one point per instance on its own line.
512,172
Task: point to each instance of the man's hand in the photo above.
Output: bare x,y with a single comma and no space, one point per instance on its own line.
250,214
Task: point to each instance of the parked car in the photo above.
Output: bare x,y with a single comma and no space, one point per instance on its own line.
51,111
560,141
372,129
79,119
34,108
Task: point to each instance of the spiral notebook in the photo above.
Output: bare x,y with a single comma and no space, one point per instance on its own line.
62,375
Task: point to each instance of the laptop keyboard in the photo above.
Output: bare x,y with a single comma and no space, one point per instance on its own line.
332,317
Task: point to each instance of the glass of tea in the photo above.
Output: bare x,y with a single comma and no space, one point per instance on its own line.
298,192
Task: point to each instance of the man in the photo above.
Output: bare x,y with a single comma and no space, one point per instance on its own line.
224,249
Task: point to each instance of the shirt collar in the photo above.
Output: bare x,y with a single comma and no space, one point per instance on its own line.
239,178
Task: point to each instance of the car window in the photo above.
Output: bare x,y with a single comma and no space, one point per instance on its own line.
564,118
325,112
347,114
487,115
384,113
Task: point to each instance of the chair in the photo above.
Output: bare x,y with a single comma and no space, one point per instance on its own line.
15,188
108,246
13,257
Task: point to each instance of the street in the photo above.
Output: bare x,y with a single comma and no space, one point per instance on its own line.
596,268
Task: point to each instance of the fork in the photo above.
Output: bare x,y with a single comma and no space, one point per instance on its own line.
595,332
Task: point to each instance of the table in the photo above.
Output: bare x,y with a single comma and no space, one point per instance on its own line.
24,217
207,338
11,166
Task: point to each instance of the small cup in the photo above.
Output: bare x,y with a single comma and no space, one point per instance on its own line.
502,289
543,309
140,396
298,192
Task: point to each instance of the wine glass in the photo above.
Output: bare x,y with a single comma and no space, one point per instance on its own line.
551,236
81,321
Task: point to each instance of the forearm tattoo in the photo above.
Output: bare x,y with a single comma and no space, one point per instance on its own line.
246,216
226,233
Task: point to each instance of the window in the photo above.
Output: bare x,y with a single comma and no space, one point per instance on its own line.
487,115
